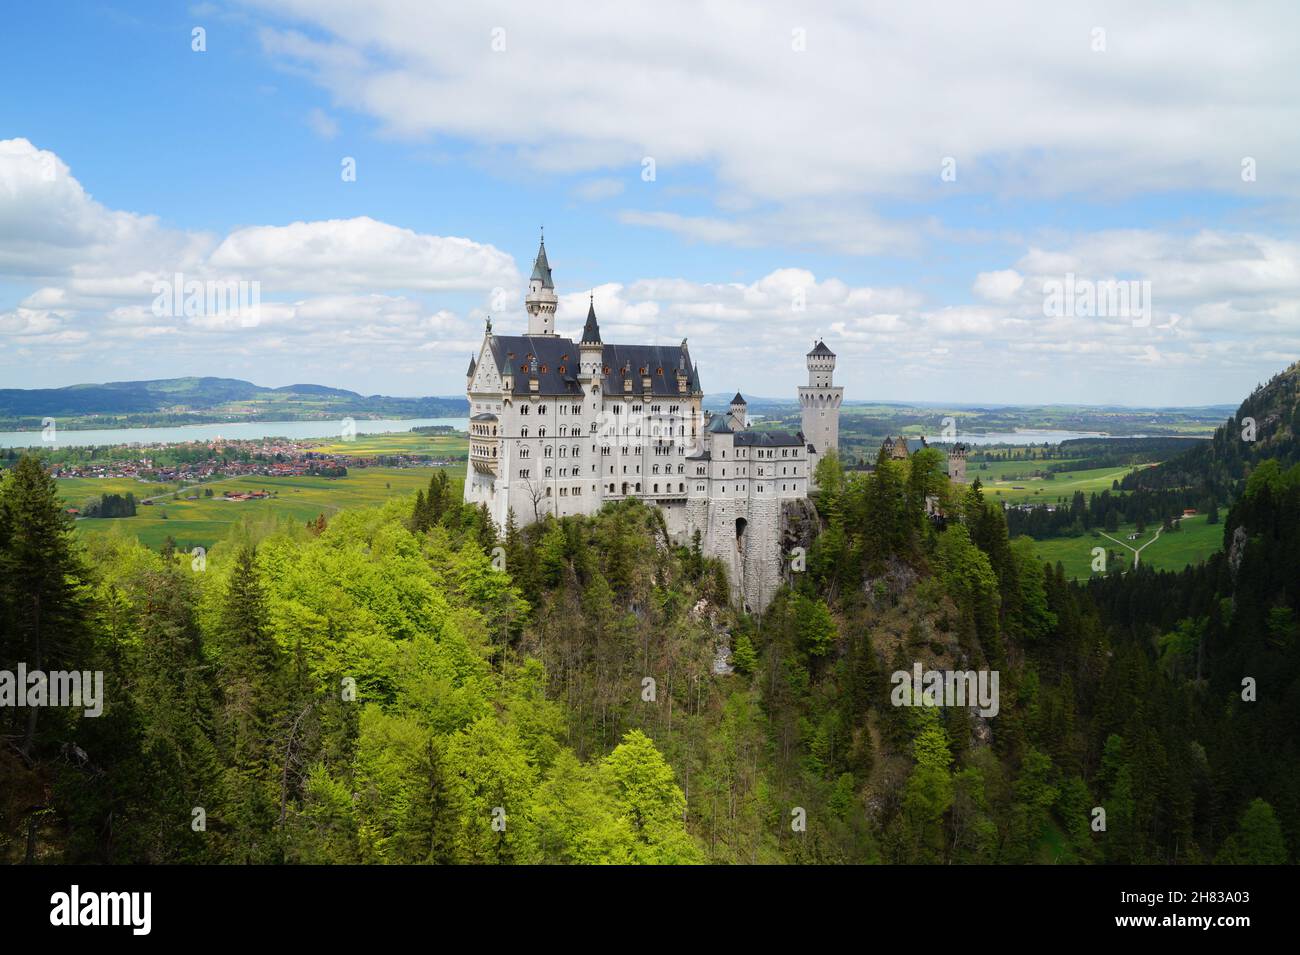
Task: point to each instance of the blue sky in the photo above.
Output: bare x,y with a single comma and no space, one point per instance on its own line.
906,182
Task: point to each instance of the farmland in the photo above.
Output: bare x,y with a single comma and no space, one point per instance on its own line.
1194,542
206,520
1005,481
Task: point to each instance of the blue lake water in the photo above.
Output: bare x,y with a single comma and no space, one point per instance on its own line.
1022,437
241,430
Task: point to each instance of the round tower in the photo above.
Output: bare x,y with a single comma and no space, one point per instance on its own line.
740,412
541,301
957,463
820,400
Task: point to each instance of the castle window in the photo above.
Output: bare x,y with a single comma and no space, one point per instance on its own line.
541,409
560,369
524,409
524,472
546,452
548,472
523,452
523,432
541,432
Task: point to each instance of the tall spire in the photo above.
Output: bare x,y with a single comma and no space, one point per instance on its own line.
542,268
591,331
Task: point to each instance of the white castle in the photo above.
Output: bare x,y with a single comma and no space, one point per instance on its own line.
561,427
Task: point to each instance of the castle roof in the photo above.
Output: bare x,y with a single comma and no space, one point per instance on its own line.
768,439
739,399
821,350
718,425
542,268
473,366
556,361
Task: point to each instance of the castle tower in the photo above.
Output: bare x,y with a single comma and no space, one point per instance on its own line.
590,348
957,463
739,412
541,300
820,400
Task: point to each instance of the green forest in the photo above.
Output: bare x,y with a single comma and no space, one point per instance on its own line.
408,683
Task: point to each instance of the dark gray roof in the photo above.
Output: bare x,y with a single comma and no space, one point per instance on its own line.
719,425
551,353
553,361
591,331
629,360
739,399
768,439
473,364
542,268
821,349
484,416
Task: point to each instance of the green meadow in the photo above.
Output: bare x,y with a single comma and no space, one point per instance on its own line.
1002,482
400,442
1193,543
205,521
76,491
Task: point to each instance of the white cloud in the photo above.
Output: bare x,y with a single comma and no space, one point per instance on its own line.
362,253
1013,91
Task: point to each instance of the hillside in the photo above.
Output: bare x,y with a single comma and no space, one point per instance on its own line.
201,400
382,684
1220,465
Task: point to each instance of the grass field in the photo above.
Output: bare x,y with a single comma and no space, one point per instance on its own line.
1192,544
203,522
1000,486
400,442
76,491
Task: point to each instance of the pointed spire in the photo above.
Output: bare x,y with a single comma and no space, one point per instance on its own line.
542,268
473,366
739,399
591,331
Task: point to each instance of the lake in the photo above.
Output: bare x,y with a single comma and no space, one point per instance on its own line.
1026,436
241,430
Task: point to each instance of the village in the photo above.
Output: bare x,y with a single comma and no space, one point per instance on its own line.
198,461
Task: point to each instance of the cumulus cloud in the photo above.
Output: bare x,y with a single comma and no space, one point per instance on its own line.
828,101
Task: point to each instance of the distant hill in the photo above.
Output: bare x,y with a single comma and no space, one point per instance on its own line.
1273,410
196,400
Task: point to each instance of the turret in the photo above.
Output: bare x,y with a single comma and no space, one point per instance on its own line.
821,366
739,412
541,300
590,347
508,377
957,463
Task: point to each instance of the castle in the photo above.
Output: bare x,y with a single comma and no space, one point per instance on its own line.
560,427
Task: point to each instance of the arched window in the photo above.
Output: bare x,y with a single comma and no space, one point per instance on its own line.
523,432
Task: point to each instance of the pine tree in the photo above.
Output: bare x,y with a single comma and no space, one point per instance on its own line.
42,615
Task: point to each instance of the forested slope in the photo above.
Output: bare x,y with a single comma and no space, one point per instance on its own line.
399,684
